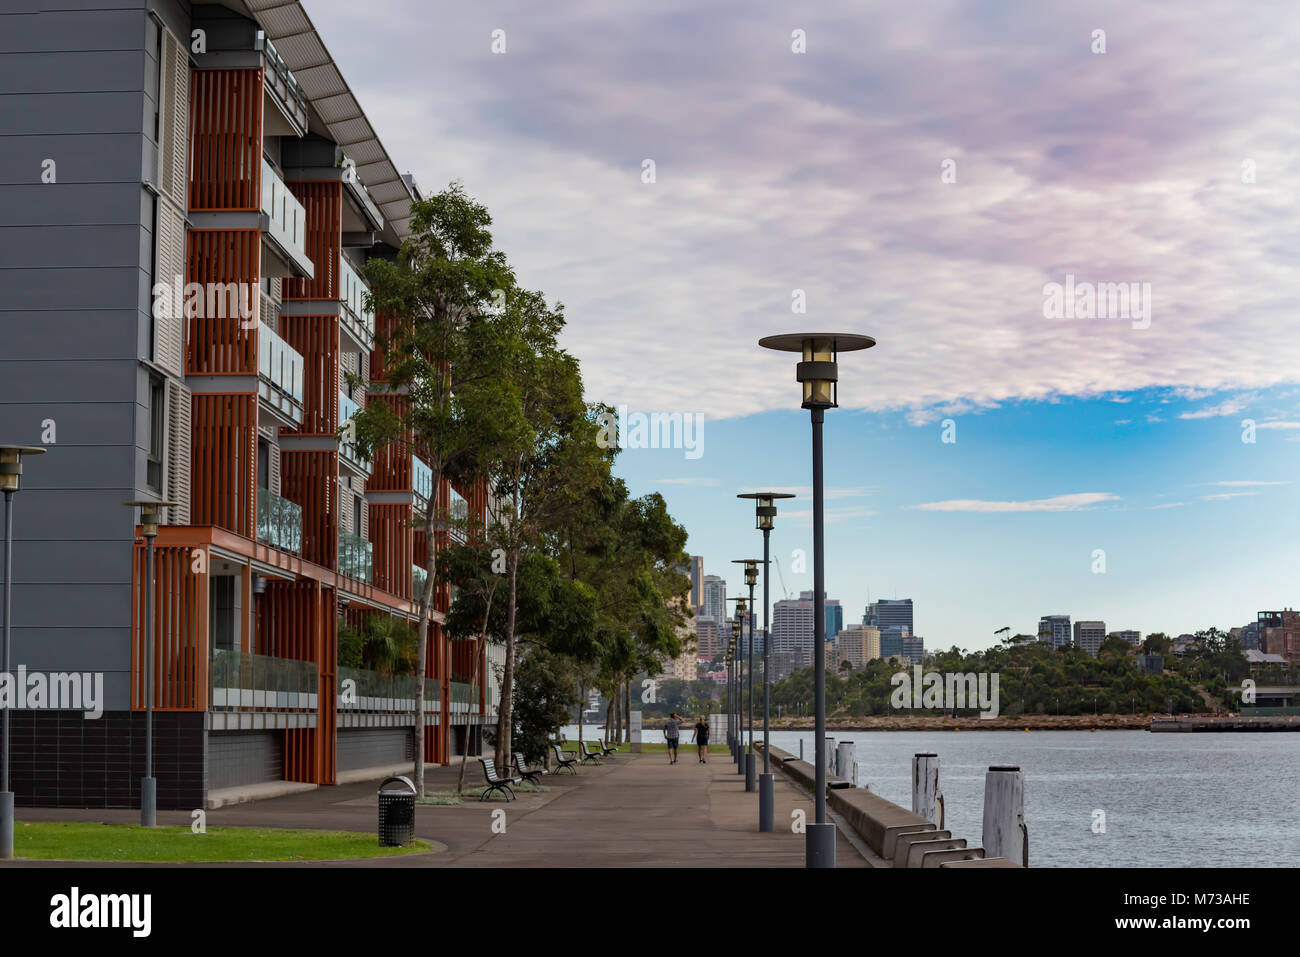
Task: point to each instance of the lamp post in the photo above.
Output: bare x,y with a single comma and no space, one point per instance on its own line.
751,579
765,518
150,519
818,376
11,470
737,708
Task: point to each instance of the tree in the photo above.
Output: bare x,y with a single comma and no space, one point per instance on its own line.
442,373
551,457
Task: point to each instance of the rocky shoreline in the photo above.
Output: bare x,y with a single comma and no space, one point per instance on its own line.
1101,722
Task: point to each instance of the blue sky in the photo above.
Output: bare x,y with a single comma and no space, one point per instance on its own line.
921,173
1198,528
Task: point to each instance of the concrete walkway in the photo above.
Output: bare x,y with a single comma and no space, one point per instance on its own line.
632,811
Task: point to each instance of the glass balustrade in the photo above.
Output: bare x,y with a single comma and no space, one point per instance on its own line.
279,522
288,216
356,557
280,368
348,449
352,293
421,480
248,682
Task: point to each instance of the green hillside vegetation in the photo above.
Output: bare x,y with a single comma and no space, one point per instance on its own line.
1033,679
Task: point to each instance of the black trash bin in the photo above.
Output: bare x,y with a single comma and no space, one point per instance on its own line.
396,813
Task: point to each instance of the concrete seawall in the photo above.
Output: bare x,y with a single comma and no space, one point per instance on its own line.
896,835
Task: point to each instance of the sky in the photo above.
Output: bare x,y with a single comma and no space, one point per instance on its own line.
921,173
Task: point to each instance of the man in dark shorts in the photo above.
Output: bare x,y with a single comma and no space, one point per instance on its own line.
672,731
702,739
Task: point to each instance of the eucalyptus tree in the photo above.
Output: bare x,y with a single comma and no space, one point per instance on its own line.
443,367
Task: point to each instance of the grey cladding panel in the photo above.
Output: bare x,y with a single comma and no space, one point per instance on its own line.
86,334
67,29
69,606
69,289
70,204
70,246
34,113
84,423
86,381
84,158
73,72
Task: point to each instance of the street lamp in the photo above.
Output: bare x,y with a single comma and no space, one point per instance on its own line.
751,579
818,374
150,519
11,470
737,630
765,518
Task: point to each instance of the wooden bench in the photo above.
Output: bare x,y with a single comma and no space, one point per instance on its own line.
531,775
562,763
495,781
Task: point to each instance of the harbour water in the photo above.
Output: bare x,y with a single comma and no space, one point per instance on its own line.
1169,800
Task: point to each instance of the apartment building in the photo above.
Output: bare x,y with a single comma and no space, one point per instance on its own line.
1055,630
1089,636
857,644
190,194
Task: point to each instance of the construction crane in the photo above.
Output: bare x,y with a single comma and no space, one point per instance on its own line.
784,590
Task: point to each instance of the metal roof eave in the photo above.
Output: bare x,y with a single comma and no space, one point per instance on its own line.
330,100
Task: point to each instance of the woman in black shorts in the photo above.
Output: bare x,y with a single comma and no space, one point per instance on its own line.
702,739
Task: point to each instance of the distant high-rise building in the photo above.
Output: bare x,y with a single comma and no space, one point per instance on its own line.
1134,638
889,613
713,601
857,644
696,569
834,618
891,643
1250,636
913,648
1089,635
1054,630
792,626
709,637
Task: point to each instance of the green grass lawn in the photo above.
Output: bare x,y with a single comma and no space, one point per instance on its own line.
85,841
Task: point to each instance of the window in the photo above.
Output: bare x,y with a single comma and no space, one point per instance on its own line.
358,503
157,433
263,464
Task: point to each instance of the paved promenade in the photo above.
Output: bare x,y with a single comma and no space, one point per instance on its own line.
633,811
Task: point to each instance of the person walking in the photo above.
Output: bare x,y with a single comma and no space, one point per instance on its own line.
672,731
701,736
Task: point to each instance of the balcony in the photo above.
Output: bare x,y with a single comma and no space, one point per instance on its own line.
357,322
421,481
464,697
258,691
418,577
282,88
279,522
370,699
458,513
284,223
349,457
280,377
356,557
